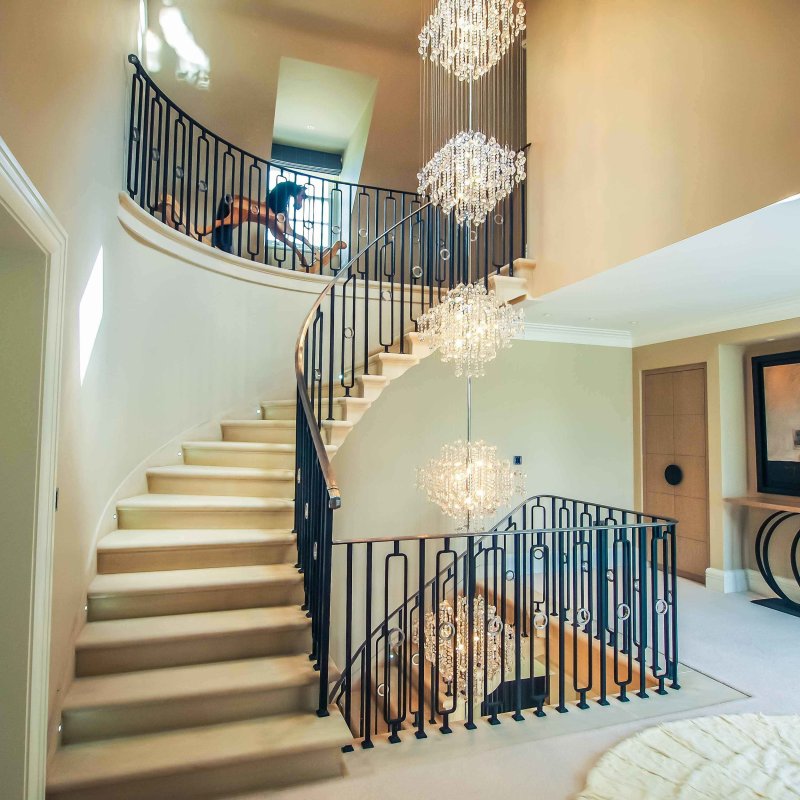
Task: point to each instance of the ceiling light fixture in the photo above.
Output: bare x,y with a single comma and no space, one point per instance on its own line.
468,37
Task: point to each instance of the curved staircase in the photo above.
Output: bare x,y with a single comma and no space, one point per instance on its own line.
192,672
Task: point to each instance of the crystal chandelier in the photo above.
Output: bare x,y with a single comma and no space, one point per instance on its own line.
469,482
469,327
468,37
471,174
491,639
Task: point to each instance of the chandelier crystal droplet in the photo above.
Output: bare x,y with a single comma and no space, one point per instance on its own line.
471,175
469,327
469,482
468,37
491,636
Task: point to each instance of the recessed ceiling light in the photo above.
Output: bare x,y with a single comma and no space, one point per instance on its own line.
592,319
631,322
310,128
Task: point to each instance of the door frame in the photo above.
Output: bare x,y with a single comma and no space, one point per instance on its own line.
679,368
19,197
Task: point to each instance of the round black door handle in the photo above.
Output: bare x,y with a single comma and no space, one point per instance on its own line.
673,474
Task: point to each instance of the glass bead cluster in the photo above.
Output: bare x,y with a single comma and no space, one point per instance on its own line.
451,628
471,175
469,482
468,37
469,327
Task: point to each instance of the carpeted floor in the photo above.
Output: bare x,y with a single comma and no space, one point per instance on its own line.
754,649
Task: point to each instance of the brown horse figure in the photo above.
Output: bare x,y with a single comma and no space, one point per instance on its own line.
244,209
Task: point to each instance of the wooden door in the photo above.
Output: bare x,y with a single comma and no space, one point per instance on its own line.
675,433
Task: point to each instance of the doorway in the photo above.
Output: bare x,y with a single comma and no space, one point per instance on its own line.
33,249
675,459
23,286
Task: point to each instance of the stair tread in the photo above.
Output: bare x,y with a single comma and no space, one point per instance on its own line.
255,447
194,681
148,630
187,580
205,502
138,757
154,539
234,473
340,400
384,356
260,423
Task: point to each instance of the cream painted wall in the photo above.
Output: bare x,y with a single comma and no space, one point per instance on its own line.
22,295
653,120
724,355
565,409
62,95
176,345
245,47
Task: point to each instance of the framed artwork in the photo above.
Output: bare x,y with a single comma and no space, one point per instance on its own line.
776,403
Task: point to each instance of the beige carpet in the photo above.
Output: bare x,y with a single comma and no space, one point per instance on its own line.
740,757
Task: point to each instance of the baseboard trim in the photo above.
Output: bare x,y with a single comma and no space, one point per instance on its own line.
727,581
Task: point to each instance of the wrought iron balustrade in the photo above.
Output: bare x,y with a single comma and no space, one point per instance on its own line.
199,183
562,603
367,309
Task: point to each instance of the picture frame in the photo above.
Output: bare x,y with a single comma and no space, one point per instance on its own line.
776,408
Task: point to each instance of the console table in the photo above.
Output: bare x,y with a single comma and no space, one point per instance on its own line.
783,510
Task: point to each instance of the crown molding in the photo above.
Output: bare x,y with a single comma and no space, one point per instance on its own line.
568,334
761,314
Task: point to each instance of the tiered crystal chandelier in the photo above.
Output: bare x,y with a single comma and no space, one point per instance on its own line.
448,633
469,328
469,482
468,37
471,174
462,45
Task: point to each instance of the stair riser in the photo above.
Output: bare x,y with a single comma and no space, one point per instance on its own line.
121,606
86,725
226,487
389,369
223,458
335,436
279,412
265,435
203,650
369,391
262,772
147,519
194,558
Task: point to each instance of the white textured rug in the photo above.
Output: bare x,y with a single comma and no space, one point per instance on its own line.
739,757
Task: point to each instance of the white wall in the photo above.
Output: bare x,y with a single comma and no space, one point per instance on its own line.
566,409
176,345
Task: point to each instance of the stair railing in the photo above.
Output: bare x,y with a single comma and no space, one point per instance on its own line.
366,310
566,600
200,184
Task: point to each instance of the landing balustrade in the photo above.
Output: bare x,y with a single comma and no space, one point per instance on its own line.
563,603
193,179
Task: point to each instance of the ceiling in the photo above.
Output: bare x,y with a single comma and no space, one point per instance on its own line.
745,272
320,107
395,23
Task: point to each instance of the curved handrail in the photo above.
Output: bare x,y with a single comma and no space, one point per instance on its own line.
334,496
478,537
